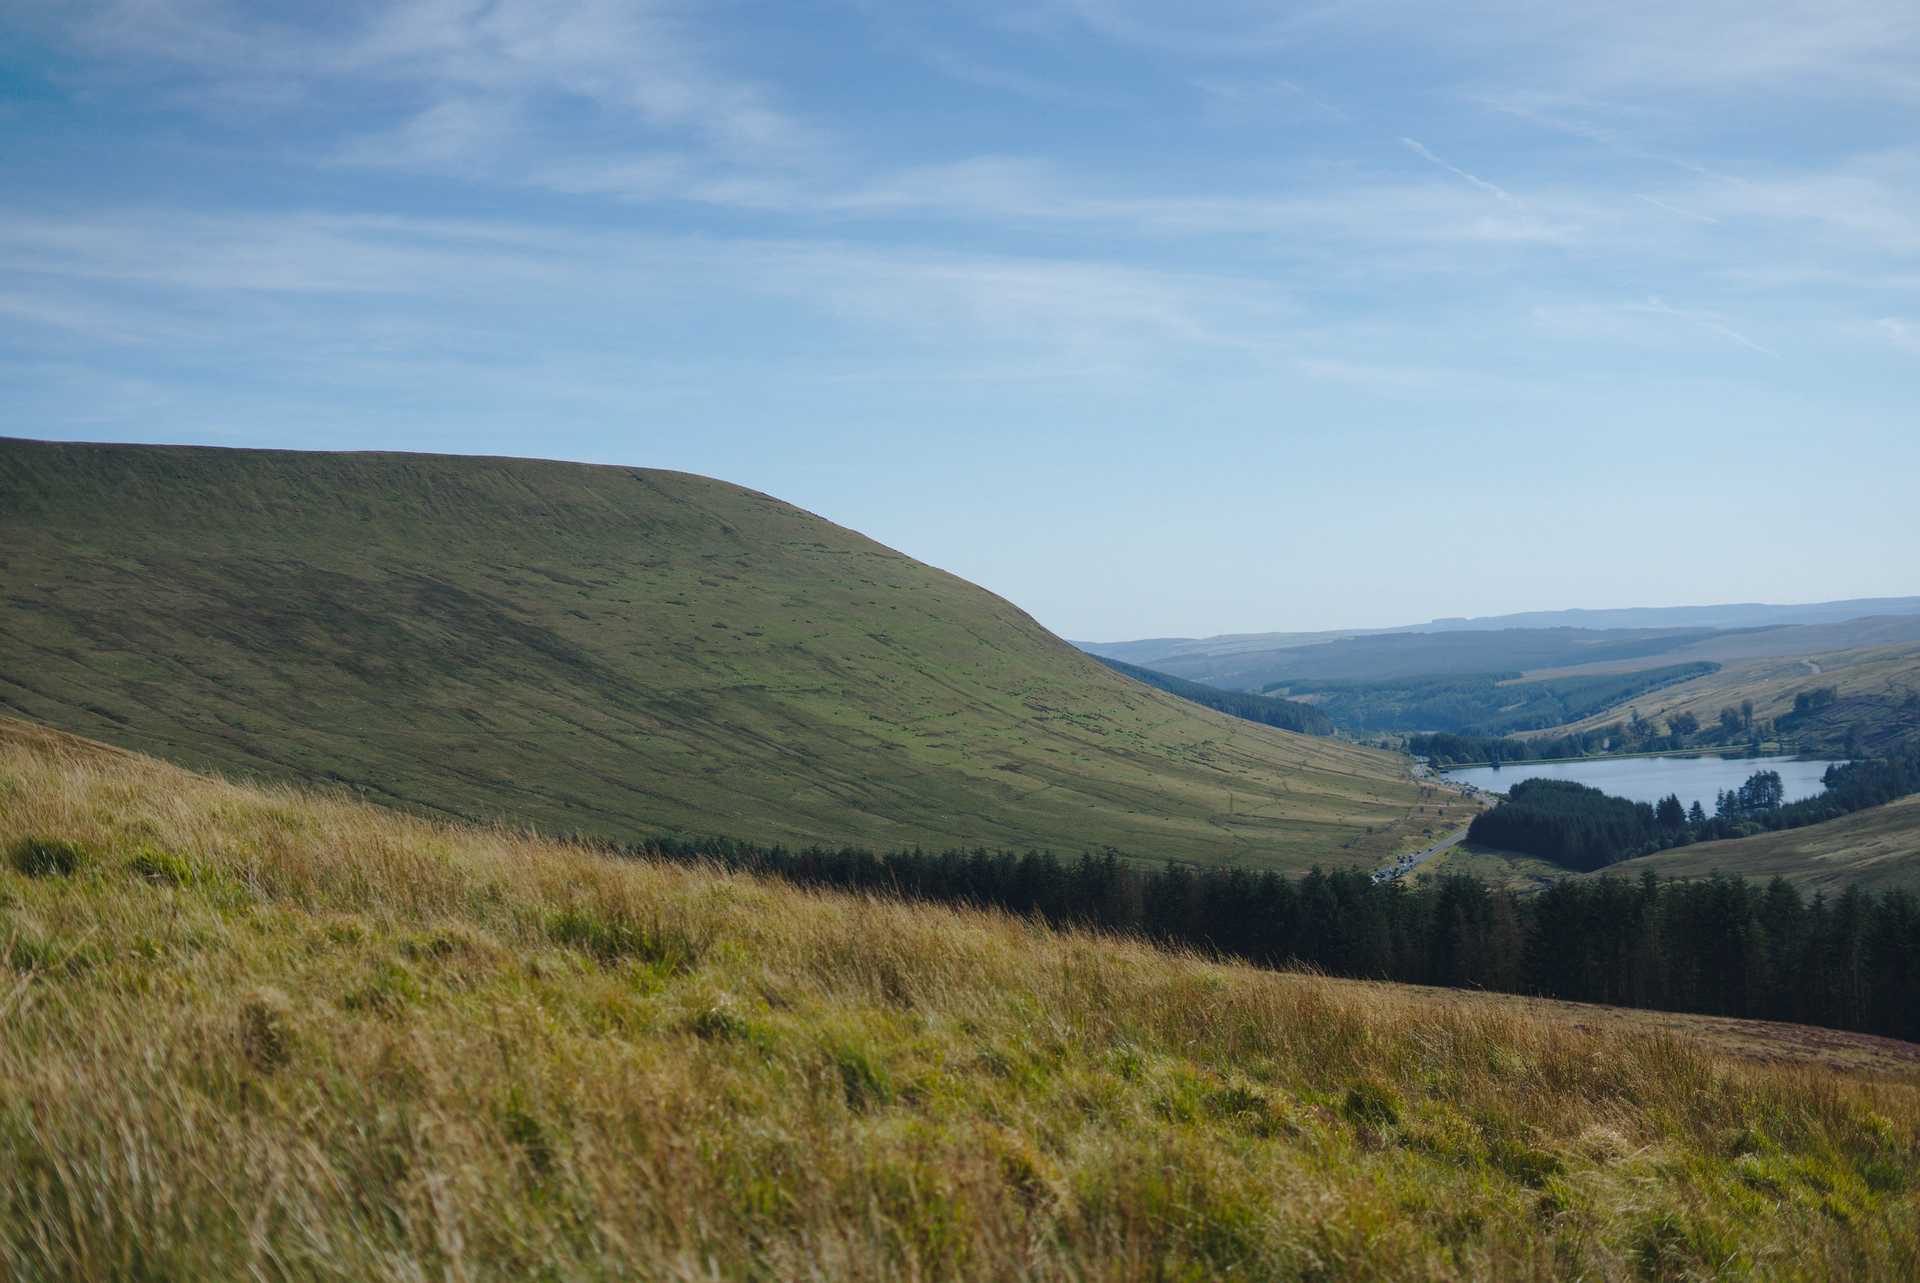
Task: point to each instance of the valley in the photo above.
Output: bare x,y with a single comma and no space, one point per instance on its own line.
1543,684
569,824
1828,687
540,735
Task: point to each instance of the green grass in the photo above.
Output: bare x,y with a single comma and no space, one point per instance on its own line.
1878,689
1878,848
252,1033
1508,870
615,651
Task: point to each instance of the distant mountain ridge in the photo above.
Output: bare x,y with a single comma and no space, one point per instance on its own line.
1562,637
1738,615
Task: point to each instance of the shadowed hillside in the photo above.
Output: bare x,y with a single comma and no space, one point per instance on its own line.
617,651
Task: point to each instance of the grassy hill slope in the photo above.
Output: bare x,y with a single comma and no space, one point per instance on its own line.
1877,690
616,651
256,1034
1879,847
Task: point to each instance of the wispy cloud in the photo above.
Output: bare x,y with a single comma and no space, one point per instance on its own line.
1867,203
973,71
1901,333
1259,99
192,282
639,60
1593,51
715,237
1675,209
1477,182
1655,305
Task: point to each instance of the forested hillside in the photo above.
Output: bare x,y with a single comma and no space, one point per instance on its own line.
1581,828
1479,704
1283,713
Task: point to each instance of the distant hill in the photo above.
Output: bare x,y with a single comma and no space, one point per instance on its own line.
1154,649
1877,848
1660,618
1264,709
618,651
1786,642
1742,616
1534,651
1750,614
1390,656
1868,694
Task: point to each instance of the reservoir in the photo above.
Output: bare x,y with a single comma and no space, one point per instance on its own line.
1648,779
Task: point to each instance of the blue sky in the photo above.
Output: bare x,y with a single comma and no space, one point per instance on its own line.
1156,318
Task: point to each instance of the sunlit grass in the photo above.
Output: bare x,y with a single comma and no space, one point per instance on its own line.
255,1033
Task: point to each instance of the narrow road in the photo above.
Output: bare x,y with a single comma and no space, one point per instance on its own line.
1412,862
1810,664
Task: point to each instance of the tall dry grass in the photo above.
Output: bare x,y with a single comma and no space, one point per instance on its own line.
262,1034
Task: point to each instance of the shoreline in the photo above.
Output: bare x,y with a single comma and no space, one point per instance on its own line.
1621,757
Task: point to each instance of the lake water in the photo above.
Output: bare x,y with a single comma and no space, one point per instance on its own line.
1648,779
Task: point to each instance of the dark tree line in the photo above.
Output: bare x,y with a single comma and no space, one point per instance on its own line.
1575,826
1718,946
1722,946
1633,735
1853,786
1444,748
1734,731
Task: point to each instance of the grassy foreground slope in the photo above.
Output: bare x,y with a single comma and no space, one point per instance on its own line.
614,651
253,1033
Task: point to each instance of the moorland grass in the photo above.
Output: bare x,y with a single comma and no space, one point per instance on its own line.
256,1033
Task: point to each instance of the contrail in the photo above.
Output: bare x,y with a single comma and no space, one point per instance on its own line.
1676,209
1477,182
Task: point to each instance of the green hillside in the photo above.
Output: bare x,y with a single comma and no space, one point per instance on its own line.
1283,713
1873,696
1878,847
612,650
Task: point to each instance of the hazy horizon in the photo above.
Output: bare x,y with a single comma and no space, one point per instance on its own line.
1601,618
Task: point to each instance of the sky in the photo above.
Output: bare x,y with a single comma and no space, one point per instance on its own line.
1157,319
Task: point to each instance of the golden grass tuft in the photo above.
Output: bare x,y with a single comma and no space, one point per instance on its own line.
258,1033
